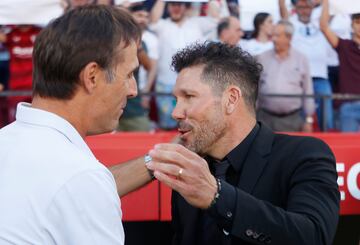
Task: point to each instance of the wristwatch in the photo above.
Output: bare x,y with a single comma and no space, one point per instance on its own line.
148,158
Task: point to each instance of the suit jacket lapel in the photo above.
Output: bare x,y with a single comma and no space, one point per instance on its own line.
256,159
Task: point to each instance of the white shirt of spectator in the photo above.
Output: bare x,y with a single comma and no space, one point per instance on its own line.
313,46
174,37
152,45
52,188
254,47
341,25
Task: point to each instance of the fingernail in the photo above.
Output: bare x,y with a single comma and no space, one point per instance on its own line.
157,174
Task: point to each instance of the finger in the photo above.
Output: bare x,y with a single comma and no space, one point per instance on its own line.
173,183
168,157
166,168
178,148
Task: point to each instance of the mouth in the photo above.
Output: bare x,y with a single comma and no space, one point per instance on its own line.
185,130
183,133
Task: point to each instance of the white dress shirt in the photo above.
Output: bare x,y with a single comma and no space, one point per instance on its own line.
52,188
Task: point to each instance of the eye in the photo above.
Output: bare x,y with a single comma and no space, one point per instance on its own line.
189,96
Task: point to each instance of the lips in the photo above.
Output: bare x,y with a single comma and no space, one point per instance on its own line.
184,128
183,132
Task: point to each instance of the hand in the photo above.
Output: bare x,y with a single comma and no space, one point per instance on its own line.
185,172
1,87
307,127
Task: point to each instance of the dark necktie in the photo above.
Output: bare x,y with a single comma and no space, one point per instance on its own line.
220,169
307,30
211,234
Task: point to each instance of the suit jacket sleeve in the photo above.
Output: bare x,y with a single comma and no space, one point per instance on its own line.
308,210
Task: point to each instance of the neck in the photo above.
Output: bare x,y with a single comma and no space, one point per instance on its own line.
282,54
263,37
66,109
180,21
304,21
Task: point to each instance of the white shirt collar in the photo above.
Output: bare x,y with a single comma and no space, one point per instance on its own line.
29,115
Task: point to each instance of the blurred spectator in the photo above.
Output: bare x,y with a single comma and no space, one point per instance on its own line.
4,74
71,4
229,31
4,59
261,37
20,41
349,70
146,79
234,7
340,24
217,8
309,40
174,33
285,71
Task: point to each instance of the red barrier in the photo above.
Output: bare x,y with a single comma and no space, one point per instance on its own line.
152,202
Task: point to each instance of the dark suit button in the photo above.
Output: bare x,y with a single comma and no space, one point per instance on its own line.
268,240
262,237
249,232
256,235
226,232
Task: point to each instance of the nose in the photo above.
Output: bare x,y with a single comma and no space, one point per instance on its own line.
132,91
178,113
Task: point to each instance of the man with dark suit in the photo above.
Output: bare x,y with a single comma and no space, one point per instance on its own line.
234,180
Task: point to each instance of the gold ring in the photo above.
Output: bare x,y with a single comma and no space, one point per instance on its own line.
180,172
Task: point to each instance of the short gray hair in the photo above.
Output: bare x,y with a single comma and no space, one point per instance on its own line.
289,28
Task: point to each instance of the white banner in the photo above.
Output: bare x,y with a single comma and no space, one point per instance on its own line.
344,6
38,12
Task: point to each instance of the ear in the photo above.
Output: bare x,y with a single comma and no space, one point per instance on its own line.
89,76
232,96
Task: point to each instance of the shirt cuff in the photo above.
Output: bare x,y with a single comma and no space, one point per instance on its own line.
223,211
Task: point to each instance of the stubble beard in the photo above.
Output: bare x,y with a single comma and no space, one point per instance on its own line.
206,135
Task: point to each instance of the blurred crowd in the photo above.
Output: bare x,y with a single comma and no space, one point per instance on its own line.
307,57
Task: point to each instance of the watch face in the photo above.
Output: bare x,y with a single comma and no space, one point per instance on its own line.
147,158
